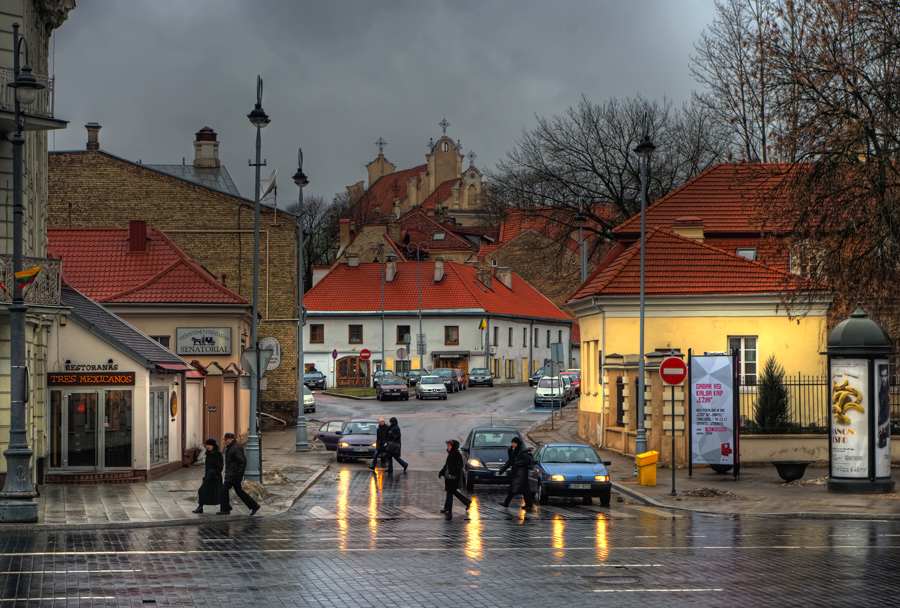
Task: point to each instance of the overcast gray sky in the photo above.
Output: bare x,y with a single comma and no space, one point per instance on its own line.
339,74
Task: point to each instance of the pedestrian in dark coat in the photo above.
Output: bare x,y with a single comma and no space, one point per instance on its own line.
235,465
381,439
519,463
454,478
211,488
393,447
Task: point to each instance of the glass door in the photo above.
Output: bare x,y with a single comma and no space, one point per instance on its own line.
82,436
117,429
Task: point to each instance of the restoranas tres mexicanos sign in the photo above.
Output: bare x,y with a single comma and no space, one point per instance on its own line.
203,341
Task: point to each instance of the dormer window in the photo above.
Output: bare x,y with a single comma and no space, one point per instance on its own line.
439,236
747,252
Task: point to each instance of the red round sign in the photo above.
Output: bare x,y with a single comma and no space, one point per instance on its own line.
672,371
364,354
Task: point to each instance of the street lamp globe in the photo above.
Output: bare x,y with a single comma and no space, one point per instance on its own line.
646,147
26,86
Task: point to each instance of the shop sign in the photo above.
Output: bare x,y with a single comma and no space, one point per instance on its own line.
81,367
88,379
203,341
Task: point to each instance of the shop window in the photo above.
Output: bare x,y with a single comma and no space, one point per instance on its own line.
451,334
159,426
316,333
745,347
356,334
402,332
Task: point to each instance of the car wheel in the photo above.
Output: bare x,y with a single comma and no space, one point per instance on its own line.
604,500
444,397
491,384
542,497
587,500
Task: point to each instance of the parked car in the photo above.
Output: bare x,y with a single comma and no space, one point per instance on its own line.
309,401
431,387
481,376
446,374
570,469
550,391
485,451
377,376
314,380
461,379
569,387
535,377
391,387
355,439
413,377
575,376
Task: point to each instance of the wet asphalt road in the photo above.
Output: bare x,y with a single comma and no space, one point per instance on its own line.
366,539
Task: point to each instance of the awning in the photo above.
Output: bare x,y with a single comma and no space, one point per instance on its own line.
175,367
195,374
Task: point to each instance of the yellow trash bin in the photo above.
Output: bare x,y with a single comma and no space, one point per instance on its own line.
646,465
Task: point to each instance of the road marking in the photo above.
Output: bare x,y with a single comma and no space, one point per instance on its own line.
64,571
279,539
653,590
321,513
601,566
60,599
654,536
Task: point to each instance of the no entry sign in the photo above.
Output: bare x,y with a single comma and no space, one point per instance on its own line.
672,371
364,354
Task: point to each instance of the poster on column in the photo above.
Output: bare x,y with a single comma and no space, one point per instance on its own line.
712,410
849,418
883,394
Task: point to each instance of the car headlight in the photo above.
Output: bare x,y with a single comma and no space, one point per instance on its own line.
473,462
344,444
557,478
601,477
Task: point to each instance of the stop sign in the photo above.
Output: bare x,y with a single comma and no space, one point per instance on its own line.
364,354
672,371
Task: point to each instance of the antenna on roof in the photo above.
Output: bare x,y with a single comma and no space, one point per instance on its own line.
267,187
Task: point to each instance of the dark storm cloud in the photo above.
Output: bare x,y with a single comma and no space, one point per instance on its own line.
339,75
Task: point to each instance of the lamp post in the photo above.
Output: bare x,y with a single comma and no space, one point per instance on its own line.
419,248
16,499
581,252
302,181
259,119
644,150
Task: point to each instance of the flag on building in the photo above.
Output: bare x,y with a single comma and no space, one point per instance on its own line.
482,325
3,287
26,277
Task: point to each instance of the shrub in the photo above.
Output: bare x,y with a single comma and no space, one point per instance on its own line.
771,414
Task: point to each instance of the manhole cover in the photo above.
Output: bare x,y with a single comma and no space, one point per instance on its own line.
613,579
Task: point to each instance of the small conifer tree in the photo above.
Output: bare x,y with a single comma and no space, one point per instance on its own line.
771,414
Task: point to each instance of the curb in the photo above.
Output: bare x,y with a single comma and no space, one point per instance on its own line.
341,396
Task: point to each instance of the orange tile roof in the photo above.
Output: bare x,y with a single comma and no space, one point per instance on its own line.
421,227
675,265
724,198
441,193
380,195
96,261
358,289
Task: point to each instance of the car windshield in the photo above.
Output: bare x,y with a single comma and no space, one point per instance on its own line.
493,439
361,428
549,383
389,380
306,390
444,373
431,380
313,375
570,454
479,370
416,372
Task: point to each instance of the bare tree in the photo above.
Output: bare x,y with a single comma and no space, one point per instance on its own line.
321,232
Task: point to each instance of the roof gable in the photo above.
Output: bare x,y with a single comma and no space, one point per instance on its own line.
379,198
417,224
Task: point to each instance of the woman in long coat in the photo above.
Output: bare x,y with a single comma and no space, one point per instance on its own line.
453,474
393,447
520,462
209,491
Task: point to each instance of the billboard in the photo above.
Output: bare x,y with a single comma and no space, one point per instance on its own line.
712,410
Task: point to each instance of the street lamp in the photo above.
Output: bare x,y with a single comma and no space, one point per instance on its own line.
16,499
419,248
259,119
302,181
644,150
581,220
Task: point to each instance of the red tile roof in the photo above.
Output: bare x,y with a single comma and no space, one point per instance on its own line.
675,265
358,289
96,261
421,227
380,195
441,193
725,198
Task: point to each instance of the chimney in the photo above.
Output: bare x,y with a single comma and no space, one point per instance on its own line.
689,227
137,236
504,275
93,129
484,275
438,270
390,271
344,231
206,149
353,260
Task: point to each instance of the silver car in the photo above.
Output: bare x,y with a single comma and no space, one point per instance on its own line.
431,387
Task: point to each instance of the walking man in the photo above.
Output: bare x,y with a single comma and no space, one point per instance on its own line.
393,447
381,438
235,464
453,474
519,463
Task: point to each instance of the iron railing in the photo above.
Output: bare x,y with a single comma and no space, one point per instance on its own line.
43,103
46,288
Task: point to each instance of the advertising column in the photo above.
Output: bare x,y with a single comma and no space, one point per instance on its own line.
712,430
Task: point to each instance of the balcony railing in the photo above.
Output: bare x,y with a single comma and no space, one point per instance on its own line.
45,291
43,103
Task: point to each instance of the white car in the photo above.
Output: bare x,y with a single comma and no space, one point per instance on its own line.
431,387
550,391
309,401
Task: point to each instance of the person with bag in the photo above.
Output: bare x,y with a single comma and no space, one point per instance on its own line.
454,478
235,464
381,438
209,491
393,447
519,463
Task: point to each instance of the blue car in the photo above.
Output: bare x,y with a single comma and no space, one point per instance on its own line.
570,469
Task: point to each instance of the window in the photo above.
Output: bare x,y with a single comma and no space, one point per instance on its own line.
510,336
163,340
805,260
159,425
536,337
747,252
356,334
493,262
496,336
402,367
524,336
316,333
495,364
548,337
511,368
745,347
560,337
451,334
439,236
402,332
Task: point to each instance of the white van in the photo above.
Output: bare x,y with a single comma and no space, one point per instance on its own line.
550,391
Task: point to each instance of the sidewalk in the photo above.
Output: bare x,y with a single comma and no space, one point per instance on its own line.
169,499
757,492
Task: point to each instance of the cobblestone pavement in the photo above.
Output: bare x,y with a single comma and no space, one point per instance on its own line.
363,539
